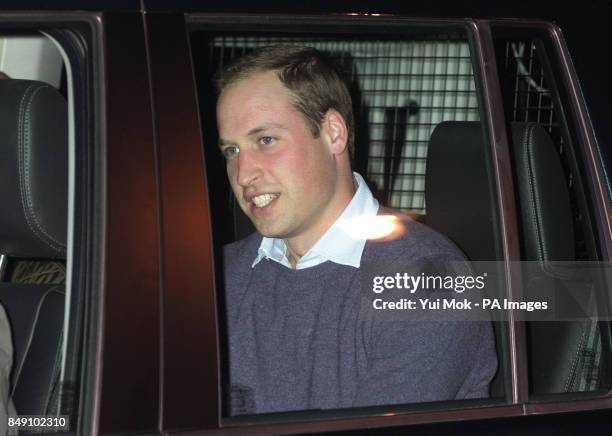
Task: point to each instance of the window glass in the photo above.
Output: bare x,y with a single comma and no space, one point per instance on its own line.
35,237
408,92
556,217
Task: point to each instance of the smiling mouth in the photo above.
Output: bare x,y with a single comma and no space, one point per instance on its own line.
264,199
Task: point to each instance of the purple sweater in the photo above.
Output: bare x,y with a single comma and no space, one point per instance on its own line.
297,340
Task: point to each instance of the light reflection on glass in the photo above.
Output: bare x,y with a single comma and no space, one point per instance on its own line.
373,227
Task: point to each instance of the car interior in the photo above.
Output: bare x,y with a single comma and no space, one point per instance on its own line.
34,192
33,239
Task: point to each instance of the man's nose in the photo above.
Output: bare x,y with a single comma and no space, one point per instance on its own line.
249,168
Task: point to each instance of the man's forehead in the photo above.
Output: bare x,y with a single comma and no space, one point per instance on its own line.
249,117
249,95
254,103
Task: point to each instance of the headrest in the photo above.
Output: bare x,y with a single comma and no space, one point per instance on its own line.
33,170
458,190
546,214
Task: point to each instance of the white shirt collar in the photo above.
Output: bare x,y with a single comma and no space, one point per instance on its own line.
336,245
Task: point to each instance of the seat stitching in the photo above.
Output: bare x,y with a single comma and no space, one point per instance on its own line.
31,336
579,349
595,379
23,158
24,170
20,158
533,198
35,217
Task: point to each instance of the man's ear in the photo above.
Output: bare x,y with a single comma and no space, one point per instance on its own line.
335,131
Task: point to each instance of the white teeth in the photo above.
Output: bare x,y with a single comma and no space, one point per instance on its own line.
264,199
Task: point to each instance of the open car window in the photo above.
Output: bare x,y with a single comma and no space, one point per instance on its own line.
404,88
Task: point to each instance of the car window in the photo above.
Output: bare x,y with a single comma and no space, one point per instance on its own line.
403,87
40,238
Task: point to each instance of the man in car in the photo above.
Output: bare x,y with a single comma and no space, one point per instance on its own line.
297,337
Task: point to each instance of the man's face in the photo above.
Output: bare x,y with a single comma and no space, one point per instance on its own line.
284,179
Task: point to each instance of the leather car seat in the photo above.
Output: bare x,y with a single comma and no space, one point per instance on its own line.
564,356
33,225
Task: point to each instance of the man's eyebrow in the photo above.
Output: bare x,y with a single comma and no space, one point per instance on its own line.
263,128
254,131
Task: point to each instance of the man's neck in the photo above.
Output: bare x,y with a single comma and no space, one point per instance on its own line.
296,249
293,258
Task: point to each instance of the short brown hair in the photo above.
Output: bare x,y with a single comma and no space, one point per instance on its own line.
313,81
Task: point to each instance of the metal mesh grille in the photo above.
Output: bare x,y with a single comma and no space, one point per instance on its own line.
405,88
532,100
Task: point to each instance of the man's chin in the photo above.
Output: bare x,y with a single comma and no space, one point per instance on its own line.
269,232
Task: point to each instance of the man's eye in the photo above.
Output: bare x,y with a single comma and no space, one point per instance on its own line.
266,140
230,151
